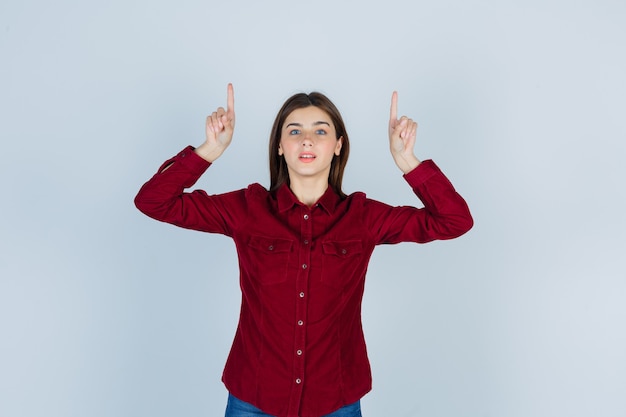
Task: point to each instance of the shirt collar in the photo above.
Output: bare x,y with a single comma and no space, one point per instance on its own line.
286,199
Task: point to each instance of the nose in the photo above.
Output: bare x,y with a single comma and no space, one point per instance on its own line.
307,140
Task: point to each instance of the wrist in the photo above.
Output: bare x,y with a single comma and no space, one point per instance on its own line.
407,163
209,152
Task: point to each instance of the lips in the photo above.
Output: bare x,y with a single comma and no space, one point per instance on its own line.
306,157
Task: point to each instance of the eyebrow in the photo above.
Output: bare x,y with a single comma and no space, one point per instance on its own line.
321,122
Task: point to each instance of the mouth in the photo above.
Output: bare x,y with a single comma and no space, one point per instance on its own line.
306,157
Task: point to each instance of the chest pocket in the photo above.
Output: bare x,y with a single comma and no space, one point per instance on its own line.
340,261
269,258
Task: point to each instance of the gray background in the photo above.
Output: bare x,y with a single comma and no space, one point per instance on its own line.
104,312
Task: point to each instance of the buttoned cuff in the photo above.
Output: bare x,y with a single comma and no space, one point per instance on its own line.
188,160
422,173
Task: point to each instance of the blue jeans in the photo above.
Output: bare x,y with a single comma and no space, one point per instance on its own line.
238,408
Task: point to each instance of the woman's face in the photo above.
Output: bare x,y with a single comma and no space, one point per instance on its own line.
309,142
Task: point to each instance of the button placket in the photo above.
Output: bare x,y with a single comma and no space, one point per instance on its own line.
302,280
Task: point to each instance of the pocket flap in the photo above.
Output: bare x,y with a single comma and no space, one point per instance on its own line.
270,245
342,248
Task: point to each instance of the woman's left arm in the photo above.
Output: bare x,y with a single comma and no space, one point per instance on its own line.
445,214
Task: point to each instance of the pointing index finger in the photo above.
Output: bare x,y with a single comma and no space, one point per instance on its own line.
230,102
394,107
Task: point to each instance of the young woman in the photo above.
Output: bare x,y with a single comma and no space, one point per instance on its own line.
303,249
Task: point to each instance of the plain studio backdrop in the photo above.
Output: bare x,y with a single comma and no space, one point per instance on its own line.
105,312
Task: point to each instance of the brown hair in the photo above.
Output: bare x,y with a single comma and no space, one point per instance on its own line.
279,174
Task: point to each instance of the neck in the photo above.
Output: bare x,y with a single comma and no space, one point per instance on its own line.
308,190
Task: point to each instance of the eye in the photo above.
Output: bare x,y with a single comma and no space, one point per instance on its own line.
320,132
294,132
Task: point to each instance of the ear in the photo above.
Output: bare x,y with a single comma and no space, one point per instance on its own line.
280,150
338,146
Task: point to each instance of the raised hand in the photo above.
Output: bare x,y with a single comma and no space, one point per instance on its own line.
402,134
220,126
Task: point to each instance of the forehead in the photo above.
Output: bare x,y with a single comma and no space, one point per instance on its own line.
308,115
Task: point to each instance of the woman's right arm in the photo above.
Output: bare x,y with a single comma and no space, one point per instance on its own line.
164,198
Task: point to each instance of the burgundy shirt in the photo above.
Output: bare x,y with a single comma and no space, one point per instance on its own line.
299,348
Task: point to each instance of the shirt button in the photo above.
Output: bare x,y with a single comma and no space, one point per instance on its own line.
304,266
299,352
298,381
301,295
306,242
306,217
271,247
300,322
343,251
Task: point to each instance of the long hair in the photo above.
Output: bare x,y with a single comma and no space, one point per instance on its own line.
279,174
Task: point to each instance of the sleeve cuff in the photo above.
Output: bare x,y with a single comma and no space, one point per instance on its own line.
422,173
191,161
